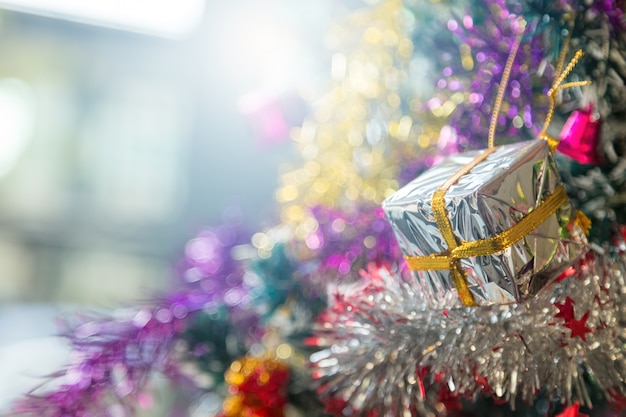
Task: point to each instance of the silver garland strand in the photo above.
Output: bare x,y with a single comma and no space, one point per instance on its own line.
382,350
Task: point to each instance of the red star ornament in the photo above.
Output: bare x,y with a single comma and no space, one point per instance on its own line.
566,310
578,327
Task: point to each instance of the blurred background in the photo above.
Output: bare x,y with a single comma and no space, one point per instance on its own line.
125,127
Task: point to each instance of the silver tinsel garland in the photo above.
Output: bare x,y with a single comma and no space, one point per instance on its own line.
383,351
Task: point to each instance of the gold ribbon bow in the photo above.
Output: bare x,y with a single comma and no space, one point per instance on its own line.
450,259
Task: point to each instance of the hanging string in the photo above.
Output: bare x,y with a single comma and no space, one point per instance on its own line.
558,86
503,84
559,65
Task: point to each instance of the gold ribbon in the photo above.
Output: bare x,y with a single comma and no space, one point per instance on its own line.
450,259
446,260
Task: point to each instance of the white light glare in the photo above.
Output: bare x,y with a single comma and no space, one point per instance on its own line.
169,18
263,46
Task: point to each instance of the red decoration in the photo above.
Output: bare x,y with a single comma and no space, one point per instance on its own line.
618,401
448,399
257,387
335,406
566,310
578,327
572,411
568,273
580,136
619,239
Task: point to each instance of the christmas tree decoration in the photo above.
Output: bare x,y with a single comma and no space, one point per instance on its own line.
580,136
597,28
112,360
441,219
508,212
114,357
370,115
522,180
484,36
502,307
345,242
257,387
572,411
384,336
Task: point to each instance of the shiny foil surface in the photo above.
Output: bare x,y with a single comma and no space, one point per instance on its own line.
490,199
374,337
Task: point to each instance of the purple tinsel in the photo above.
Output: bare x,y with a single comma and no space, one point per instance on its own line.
347,241
490,44
210,272
111,361
613,10
113,358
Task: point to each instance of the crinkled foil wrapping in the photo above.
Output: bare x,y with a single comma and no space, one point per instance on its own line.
494,196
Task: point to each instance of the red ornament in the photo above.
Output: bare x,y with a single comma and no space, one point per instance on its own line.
572,411
566,310
568,273
578,327
257,388
580,136
448,399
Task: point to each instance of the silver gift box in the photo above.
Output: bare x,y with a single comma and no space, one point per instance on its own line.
491,198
